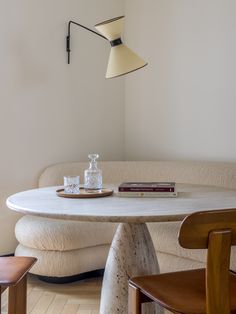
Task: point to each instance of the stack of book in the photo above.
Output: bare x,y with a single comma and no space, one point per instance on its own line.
147,189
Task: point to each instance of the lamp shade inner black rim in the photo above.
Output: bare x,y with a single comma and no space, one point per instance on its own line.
111,20
128,71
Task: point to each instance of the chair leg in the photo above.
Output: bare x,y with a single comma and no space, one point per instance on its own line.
134,300
17,297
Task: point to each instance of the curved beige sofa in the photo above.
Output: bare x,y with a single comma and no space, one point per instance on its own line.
67,248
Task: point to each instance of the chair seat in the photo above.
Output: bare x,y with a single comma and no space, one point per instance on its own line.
13,269
182,292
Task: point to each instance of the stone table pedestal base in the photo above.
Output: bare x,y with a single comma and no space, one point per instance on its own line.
131,254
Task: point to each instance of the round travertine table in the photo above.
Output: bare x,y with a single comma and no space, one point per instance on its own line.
132,252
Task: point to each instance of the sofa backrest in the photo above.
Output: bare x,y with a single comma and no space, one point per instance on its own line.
206,173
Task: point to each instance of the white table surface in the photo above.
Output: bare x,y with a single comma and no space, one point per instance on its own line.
44,202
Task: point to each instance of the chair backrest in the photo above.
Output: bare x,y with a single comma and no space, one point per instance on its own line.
215,230
195,228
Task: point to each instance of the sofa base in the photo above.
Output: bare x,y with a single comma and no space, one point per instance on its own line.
69,279
65,264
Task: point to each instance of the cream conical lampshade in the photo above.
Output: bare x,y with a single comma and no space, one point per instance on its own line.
122,60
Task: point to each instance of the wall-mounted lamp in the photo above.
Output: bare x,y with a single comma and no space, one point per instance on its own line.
122,60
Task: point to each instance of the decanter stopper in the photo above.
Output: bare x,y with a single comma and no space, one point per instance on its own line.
93,175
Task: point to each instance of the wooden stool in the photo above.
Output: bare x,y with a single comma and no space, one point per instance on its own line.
211,290
13,275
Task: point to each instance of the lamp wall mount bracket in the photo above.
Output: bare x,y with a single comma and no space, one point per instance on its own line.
68,37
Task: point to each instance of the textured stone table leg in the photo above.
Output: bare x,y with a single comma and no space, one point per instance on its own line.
131,254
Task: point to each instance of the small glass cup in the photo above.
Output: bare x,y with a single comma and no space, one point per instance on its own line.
71,184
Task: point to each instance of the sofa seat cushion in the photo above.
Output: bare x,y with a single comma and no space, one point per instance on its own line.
171,263
165,239
62,235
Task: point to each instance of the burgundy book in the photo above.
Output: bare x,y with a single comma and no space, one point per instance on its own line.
147,187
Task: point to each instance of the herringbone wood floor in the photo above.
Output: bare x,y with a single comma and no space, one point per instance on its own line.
81,297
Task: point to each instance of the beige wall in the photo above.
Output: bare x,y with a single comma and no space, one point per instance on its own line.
183,105
51,112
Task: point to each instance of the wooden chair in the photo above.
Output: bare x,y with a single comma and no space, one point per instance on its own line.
211,290
13,275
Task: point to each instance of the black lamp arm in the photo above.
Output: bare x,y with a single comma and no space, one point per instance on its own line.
68,36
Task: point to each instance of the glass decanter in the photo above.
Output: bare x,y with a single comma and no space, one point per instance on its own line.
93,175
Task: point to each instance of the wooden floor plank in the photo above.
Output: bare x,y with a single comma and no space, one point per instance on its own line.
84,312
43,303
70,308
33,298
4,300
89,307
57,305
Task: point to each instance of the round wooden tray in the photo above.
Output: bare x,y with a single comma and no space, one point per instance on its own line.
85,194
